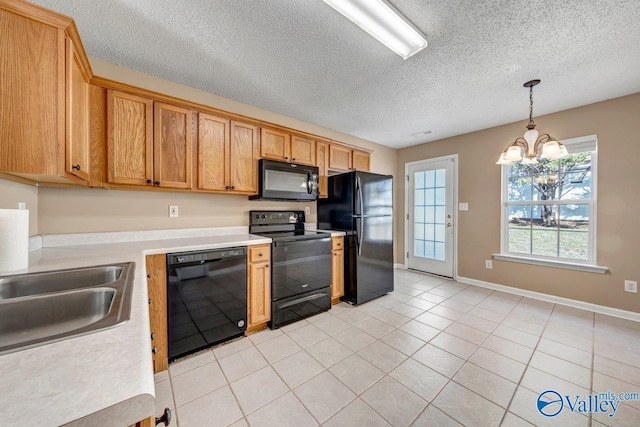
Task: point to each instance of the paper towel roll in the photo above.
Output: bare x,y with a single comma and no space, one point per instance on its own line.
14,239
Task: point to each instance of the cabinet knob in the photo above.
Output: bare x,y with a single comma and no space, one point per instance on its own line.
149,181
165,418
266,266
153,336
260,254
227,188
233,187
154,350
286,157
149,301
75,167
156,183
294,159
148,276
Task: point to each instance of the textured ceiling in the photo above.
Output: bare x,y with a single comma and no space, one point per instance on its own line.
302,59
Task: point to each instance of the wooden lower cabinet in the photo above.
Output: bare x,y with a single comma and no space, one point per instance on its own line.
157,289
337,269
259,287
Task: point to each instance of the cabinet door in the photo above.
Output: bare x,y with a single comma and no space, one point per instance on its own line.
339,157
31,100
77,159
337,276
274,144
244,154
259,285
129,139
322,154
303,150
361,160
157,291
172,146
213,152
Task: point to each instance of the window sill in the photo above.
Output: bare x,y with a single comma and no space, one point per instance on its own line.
552,263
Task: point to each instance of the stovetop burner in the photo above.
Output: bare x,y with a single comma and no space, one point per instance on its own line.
282,225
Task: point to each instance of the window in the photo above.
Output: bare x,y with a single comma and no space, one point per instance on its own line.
549,209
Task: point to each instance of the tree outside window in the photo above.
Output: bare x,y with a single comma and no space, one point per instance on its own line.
549,207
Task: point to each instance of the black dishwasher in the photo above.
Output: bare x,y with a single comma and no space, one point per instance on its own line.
206,298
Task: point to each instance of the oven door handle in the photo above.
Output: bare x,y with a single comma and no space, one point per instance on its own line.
292,242
304,299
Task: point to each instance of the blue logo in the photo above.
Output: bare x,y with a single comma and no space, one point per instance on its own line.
550,403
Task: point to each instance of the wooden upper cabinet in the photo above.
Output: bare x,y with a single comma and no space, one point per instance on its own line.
303,150
172,146
361,160
129,139
213,153
77,110
228,153
275,144
322,157
244,154
339,157
34,85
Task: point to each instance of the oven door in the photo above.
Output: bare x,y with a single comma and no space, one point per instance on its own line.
287,181
300,267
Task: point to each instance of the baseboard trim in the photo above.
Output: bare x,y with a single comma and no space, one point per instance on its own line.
399,266
610,311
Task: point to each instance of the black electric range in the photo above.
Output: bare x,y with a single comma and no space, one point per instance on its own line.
301,265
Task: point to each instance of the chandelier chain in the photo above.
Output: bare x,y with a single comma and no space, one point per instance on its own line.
531,105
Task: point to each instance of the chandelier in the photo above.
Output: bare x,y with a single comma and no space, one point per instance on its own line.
530,146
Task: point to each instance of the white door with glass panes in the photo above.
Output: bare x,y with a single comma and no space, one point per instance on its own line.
431,216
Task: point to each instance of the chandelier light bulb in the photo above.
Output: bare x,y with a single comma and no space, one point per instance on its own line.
514,154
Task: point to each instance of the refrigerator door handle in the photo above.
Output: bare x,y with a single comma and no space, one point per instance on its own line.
361,215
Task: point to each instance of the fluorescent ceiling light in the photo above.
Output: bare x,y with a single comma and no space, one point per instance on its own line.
383,22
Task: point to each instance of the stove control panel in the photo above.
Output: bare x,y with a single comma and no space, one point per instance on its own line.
276,217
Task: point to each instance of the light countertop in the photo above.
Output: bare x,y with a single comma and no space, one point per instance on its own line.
104,378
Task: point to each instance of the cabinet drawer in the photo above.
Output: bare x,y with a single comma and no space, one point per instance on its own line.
259,253
337,243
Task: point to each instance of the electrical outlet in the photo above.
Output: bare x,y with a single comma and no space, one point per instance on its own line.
631,286
173,211
488,264
307,210
22,206
463,206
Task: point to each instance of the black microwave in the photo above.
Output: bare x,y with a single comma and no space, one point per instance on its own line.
286,181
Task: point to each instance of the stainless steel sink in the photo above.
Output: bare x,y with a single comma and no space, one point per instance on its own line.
40,308
56,281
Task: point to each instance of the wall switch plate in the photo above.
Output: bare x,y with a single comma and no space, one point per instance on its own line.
22,206
488,264
307,210
463,206
631,286
173,211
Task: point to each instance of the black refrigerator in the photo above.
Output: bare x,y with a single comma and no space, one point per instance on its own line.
361,204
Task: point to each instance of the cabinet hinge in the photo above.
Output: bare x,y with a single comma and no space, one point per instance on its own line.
407,217
407,178
407,254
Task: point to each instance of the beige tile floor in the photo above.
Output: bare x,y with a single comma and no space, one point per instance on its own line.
433,352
